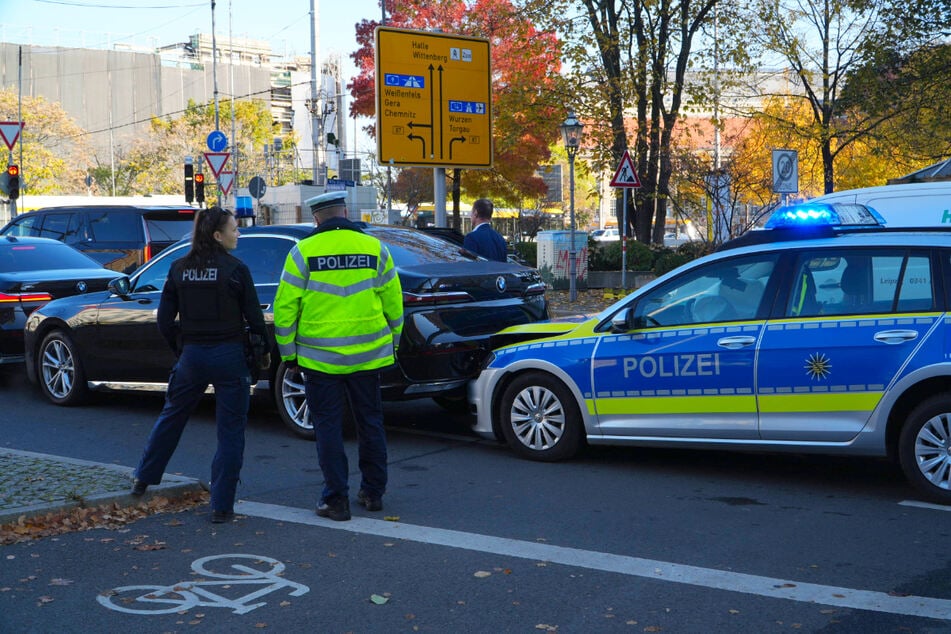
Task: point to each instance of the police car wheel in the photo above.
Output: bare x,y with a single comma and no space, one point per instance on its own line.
540,419
62,379
924,449
290,401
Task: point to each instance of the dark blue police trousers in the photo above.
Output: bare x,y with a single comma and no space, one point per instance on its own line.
224,366
327,395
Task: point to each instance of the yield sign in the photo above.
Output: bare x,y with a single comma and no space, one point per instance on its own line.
225,181
10,131
626,175
216,161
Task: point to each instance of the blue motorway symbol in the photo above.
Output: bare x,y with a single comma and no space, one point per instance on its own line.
467,107
217,141
404,81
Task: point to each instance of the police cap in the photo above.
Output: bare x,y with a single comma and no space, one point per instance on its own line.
323,201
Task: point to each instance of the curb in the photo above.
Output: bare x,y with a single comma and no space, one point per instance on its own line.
172,486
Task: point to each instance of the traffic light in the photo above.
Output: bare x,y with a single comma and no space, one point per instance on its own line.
200,188
189,182
13,181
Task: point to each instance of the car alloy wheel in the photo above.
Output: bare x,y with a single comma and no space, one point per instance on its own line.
291,402
61,373
924,449
540,418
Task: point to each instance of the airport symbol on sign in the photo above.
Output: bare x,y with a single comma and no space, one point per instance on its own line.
626,175
404,81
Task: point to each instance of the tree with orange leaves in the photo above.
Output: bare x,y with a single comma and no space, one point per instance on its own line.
525,79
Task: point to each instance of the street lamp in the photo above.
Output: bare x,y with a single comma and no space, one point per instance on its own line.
571,134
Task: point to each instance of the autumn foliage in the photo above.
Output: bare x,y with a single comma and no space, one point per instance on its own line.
525,105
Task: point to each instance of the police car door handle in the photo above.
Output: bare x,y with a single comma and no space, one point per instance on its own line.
735,343
896,336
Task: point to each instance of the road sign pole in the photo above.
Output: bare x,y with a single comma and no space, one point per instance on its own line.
624,241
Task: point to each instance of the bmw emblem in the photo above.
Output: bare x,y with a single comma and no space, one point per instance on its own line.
81,287
500,284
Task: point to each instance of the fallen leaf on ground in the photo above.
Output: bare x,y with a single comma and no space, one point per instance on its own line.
377,599
482,574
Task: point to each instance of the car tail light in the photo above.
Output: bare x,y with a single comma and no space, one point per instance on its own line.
415,299
147,253
12,298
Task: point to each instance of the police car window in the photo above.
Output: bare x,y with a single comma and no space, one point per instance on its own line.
860,282
727,290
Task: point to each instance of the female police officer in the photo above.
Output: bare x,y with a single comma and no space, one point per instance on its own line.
213,296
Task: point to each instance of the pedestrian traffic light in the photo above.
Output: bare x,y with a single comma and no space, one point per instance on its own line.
13,181
200,188
189,182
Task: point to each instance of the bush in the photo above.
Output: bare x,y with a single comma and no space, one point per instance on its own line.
528,251
606,256
670,259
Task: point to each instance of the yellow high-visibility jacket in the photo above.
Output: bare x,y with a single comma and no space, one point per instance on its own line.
339,305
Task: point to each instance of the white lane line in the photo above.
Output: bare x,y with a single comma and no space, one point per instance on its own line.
925,505
927,607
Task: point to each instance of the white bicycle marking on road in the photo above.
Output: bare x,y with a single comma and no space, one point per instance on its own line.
790,590
186,595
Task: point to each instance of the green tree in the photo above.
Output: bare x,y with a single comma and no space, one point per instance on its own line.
910,95
632,56
154,163
55,150
822,42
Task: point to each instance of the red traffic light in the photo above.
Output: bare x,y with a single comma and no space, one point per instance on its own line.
199,178
13,170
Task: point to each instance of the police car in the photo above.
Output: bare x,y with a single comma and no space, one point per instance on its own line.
826,331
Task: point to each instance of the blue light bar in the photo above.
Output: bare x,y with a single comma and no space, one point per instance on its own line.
824,214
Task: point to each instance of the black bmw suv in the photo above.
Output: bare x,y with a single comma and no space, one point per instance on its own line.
121,237
454,303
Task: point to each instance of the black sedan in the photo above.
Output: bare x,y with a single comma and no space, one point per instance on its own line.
454,303
34,271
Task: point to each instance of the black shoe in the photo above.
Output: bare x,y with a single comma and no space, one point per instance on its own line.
336,509
138,487
369,502
220,517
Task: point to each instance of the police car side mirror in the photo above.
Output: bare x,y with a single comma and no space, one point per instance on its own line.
621,322
120,286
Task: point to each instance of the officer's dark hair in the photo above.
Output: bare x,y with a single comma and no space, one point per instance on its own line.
204,245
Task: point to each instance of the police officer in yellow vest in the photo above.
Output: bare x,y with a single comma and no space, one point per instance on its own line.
338,315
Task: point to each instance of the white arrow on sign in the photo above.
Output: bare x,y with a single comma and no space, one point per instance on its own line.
10,131
216,161
225,181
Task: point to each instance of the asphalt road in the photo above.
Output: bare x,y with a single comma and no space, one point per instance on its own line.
474,539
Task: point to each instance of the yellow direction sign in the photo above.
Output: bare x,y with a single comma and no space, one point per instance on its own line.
433,99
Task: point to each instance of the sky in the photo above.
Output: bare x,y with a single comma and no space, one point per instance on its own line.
150,23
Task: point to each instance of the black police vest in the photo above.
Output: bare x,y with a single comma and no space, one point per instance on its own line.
209,306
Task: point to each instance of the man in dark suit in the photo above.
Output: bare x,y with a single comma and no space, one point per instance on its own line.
483,239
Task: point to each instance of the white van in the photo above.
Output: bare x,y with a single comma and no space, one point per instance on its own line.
905,205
